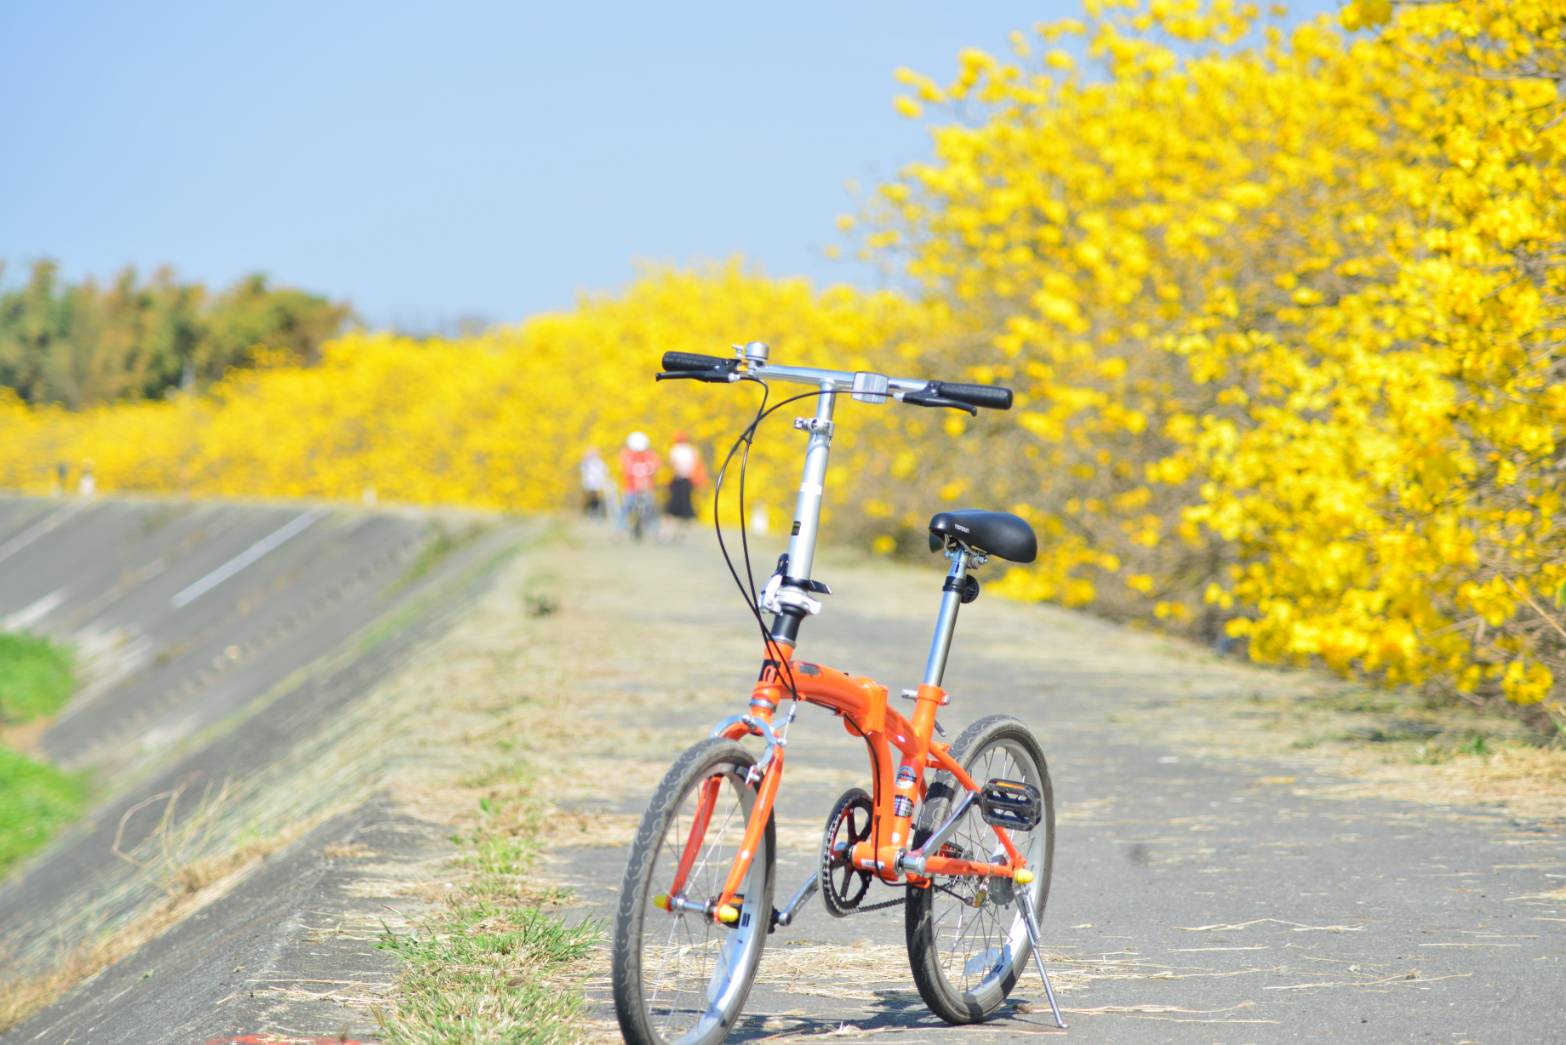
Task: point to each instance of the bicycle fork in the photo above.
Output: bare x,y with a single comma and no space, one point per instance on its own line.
721,908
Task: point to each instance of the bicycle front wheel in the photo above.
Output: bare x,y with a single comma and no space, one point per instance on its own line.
967,943
678,976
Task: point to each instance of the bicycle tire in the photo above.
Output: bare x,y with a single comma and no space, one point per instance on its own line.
638,522
641,966
987,976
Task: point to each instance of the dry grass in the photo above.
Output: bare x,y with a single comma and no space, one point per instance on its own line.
834,970
1377,745
1549,896
347,851
1298,927
1528,782
191,886
1172,1013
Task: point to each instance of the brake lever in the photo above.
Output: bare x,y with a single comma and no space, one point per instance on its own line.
930,399
717,377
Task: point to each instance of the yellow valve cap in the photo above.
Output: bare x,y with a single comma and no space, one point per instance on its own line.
661,901
1023,876
728,914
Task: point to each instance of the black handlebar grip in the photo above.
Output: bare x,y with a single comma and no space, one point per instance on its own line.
693,361
992,397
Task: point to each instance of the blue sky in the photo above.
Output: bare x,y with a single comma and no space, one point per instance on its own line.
432,161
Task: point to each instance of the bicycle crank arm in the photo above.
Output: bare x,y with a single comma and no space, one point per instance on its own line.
1038,953
782,919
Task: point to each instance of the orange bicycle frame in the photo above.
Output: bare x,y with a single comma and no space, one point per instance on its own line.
862,704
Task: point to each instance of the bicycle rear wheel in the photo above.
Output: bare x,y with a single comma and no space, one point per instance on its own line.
967,943
678,976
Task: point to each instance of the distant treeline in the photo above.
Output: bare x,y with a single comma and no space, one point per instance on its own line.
84,343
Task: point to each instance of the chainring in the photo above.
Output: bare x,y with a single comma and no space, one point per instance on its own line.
848,824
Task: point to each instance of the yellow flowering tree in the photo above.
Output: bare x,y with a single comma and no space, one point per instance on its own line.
1287,310
495,421
1284,310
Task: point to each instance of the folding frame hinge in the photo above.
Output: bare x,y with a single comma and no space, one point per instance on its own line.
813,425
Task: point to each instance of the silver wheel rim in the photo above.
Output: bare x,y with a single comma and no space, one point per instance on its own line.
977,947
695,972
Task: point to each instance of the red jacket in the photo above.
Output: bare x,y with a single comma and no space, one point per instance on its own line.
638,469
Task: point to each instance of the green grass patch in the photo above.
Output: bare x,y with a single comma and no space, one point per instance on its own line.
36,677
493,964
36,800
479,977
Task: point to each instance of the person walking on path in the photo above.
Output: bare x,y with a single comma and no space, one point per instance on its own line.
690,475
597,491
638,474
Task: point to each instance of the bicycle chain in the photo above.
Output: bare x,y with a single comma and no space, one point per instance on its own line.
884,904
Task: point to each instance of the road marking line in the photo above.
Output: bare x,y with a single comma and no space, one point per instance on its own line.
35,531
26,617
269,543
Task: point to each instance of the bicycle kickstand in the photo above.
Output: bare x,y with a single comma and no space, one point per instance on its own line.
1038,953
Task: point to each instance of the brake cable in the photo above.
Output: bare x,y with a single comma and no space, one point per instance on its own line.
747,587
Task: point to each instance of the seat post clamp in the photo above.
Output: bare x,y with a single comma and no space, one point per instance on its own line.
969,586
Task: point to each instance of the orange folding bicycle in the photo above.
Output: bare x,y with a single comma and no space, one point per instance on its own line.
972,847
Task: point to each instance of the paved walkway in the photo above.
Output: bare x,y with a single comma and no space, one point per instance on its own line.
1193,899
1198,895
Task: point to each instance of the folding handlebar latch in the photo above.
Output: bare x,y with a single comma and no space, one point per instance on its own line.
776,597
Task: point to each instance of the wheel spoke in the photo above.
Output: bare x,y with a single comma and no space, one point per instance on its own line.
974,945
690,974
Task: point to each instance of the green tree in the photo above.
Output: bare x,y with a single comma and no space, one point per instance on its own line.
83,344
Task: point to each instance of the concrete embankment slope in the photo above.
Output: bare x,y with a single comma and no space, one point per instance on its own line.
227,652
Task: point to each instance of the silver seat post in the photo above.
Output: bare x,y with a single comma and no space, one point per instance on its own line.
946,622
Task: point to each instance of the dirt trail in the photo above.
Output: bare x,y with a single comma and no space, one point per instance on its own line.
1195,898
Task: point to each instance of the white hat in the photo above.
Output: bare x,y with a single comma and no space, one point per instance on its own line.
638,441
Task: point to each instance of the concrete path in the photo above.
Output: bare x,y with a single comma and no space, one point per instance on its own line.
1193,899
1199,894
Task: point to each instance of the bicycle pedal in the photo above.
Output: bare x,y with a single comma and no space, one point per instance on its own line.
1011,803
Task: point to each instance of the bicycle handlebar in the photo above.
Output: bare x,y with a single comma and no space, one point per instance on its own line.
869,387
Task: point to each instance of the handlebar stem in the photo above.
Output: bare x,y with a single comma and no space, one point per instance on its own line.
807,507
